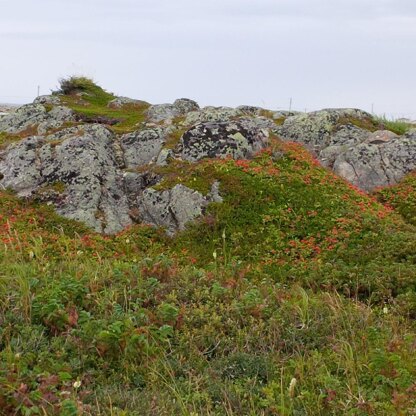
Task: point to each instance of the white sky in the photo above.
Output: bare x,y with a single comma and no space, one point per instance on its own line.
322,53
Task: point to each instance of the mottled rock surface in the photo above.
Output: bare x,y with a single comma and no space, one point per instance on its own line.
174,208
144,146
315,129
180,107
120,102
239,139
35,117
375,163
80,160
220,114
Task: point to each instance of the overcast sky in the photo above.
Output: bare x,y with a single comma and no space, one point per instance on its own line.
320,53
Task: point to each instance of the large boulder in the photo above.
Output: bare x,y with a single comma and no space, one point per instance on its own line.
143,146
174,208
76,169
381,160
36,118
47,99
161,112
213,114
239,140
345,141
315,129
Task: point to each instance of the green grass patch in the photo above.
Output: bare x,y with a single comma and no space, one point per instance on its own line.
398,127
91,101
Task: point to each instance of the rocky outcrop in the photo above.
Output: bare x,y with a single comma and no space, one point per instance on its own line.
143,147
47,99
120,102
80,162
36,118
174,208
340,141
107,181
180,107
213,114
381,160
316,129
239,139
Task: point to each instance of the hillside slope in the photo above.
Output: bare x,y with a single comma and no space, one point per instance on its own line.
289,292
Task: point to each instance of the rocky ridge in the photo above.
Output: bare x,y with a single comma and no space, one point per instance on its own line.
105,178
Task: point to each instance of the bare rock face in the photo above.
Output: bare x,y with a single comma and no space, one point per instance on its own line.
239,139
364,158
78,161
172,208
47,99
180,107
120,102
315,129
213,114
383,159
144,146
35,117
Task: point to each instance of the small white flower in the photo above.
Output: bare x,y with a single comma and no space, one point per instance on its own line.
127,240
77,384
223,234
292,387
385,310
214,254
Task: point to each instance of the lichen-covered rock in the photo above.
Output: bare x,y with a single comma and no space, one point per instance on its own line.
239,139
185,105
120,102
339,142
375,163
250,110
171,209
164,157
142,147
214,114
134,185
47,99
35,117
315,129
180,107
79,159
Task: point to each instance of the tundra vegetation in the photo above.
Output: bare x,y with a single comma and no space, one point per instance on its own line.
294,296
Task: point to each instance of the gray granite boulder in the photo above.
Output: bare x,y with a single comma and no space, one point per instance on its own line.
239,139
35,117
80,162
47,99
161,112
315,129
219,114
174,208
143,146
378,162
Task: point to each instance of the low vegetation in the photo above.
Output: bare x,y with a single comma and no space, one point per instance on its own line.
295,296
398,127
402,197
90,102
